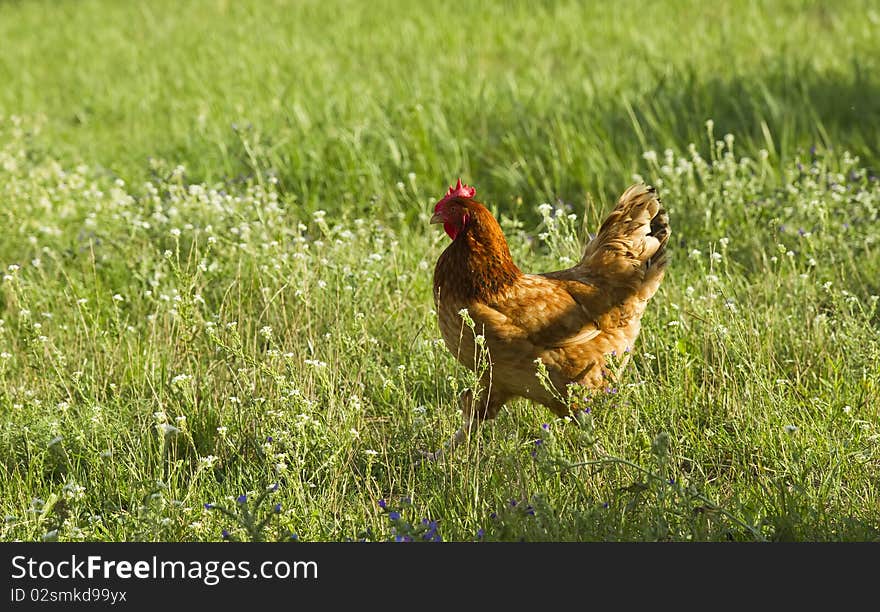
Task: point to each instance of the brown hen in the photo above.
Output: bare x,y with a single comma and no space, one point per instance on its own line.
571,320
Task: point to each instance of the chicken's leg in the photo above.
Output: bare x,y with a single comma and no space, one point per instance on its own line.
471,417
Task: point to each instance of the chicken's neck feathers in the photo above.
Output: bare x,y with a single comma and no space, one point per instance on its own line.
477,264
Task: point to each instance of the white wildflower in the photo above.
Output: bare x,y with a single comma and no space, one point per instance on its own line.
168,429
180,379
73,491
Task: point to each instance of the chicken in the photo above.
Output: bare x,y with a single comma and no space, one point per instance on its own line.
571,320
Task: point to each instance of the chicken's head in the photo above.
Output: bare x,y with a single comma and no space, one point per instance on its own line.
452,211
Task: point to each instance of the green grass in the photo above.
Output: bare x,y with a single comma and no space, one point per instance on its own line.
218,267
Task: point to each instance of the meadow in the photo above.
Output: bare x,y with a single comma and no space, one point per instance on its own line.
216,318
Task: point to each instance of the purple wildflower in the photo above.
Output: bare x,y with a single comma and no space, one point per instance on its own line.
241,498
383,504
394,515
431,534
224,534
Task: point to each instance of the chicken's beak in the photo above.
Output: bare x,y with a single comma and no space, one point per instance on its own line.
437,218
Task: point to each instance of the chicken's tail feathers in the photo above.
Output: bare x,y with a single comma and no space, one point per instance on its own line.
630,246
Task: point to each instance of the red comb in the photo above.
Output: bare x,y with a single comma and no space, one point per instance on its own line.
459,191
